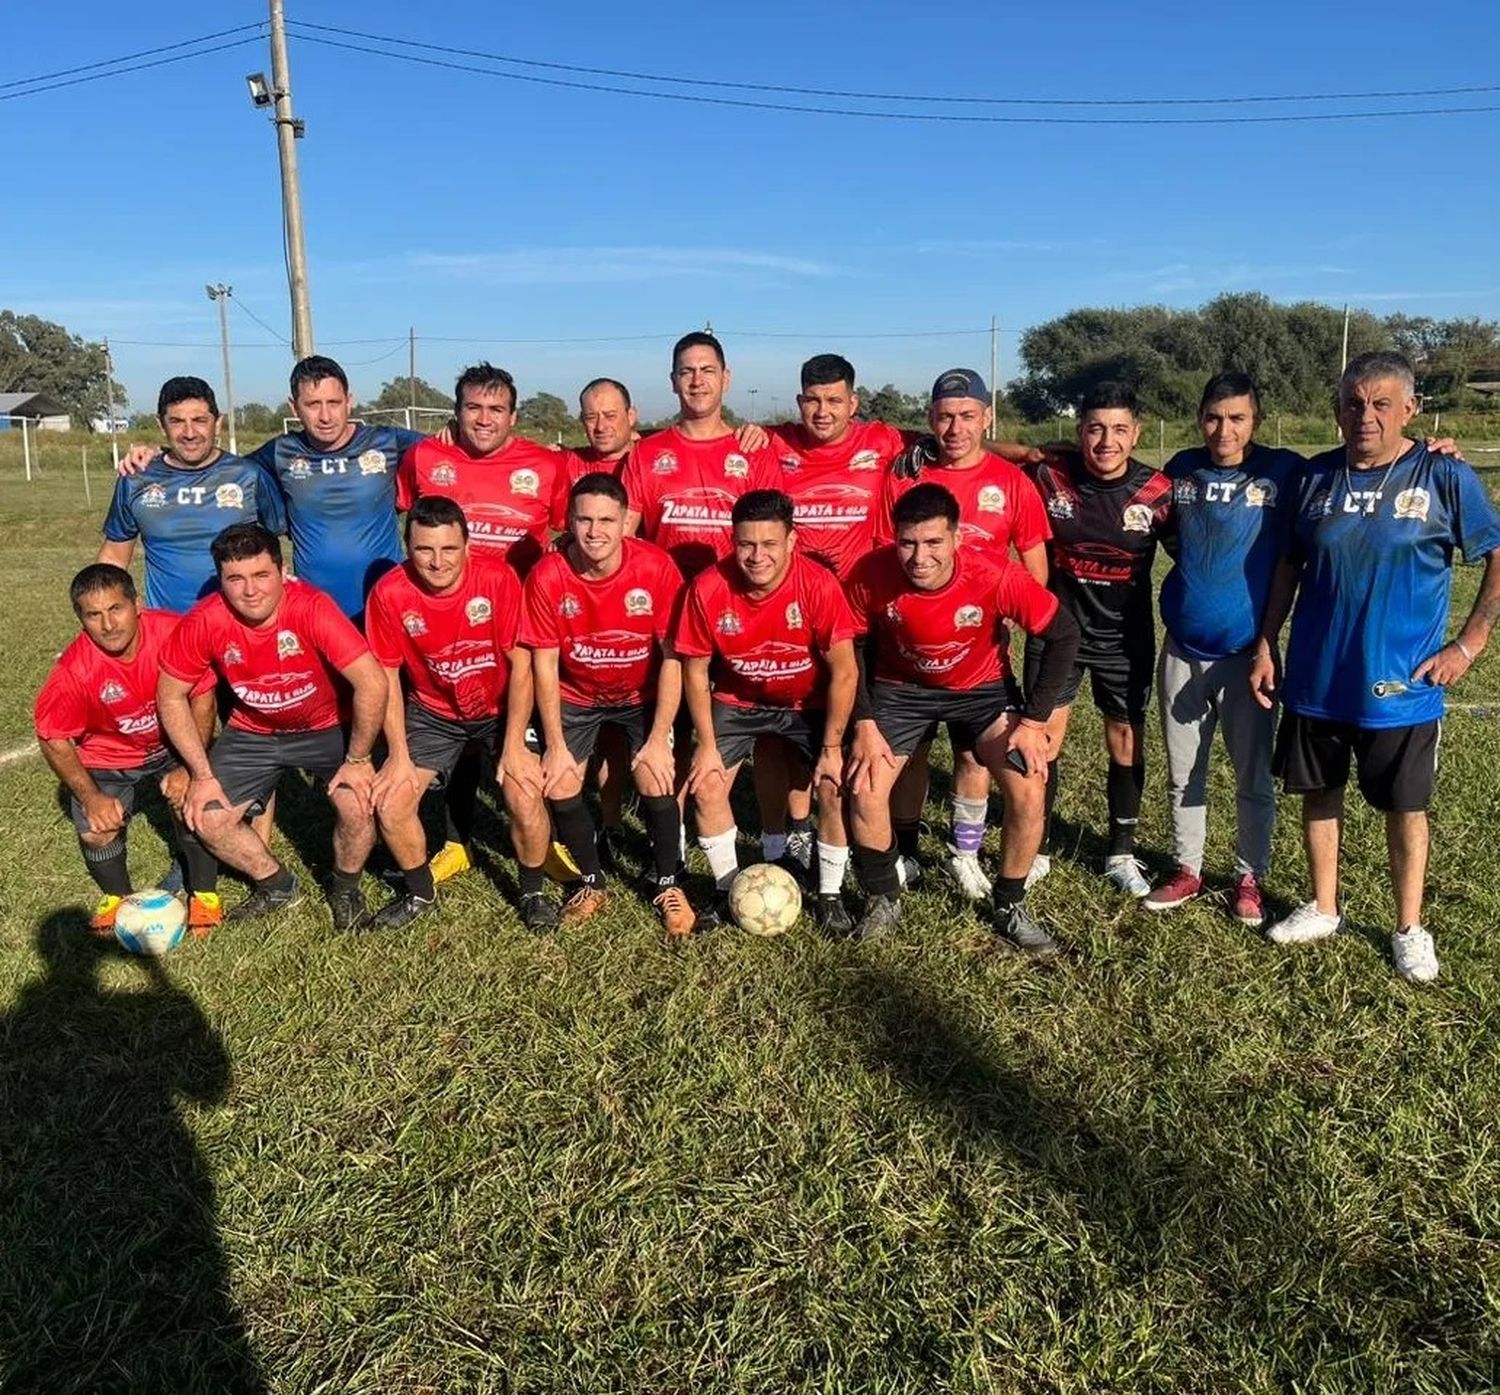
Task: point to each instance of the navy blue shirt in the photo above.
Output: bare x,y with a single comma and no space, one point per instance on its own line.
177,512
1376,552
1231,525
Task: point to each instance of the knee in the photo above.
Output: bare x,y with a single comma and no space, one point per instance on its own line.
90,839
524,802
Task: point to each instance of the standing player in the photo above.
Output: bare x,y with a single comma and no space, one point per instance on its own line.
291,660
598,615
1370,556
444,627
766,640
935,614
609,421
1107,512
97,726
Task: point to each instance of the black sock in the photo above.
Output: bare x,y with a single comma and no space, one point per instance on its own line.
107,867
533,881
908,836
1007,892
419,882
345,881
461,798
662,818
1051,801
201,865
281,880
575,830
1125,786
877,870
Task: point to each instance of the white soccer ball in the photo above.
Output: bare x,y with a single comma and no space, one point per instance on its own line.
150,922
765,900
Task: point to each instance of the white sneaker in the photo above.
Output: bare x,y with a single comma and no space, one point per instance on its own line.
908,873
1127,874
799,847
1416,959
970,876
1041,866
1306,924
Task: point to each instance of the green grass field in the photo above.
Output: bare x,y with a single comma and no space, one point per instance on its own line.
466,1159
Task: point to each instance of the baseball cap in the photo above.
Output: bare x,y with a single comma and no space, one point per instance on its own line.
960,382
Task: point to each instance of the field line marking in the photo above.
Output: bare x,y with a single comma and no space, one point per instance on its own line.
19,753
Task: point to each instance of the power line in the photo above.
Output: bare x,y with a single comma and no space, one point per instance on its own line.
130,57
270,329
135,68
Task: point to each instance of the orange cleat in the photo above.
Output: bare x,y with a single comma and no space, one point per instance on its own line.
102,922
676,912
204,914
585,902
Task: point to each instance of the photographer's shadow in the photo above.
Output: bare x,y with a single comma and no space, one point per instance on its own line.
111,1273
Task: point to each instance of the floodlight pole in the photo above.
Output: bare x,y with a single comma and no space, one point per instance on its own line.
221,293
994,376
288,128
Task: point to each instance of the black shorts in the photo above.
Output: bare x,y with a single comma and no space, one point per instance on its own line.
1120,676
736,730
121,785
437,743
908,715
249,764
582,725
1396,765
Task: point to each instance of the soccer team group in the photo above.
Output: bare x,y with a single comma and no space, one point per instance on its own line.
824,595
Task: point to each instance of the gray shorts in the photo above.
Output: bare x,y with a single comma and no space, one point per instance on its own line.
908,715
249,764
736,730
582,725
121,785
436,742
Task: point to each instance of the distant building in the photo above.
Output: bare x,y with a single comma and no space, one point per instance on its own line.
43,413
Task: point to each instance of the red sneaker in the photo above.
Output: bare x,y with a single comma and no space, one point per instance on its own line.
1249,905
1177,890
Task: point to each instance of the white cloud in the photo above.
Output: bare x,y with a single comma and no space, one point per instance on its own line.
588,265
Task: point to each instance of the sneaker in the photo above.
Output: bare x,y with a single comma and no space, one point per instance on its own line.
538,913
264,900
397,914
102,922
347,908
1177,890
1023,931
1125,873
1041,866
908,873
1306,924
1249,906
450,860
830,913
1416,958
675,911
585,902
205,914
881,916
716,915
969,875
799,848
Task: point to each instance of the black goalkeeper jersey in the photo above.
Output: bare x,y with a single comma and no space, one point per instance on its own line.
1104,536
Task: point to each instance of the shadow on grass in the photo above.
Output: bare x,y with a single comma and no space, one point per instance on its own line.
111,1272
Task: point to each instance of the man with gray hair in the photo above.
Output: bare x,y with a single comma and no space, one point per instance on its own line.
1373,526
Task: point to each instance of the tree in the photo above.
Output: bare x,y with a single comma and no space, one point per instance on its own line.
892,406
398,393
257,416
544,414
37,355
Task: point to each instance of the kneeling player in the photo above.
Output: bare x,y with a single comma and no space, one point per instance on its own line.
767,645
598,614
444,626
936,614
96,722
291,660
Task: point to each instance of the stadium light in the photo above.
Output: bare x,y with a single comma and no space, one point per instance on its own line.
260,90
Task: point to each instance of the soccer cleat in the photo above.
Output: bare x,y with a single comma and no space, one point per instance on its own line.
102,922
799,872
1177,890
1126,874
969,875
205,914
538,914
585,902
1249,906
675,911
450,860
799,849
881,916
397,914
1414,953
908,873
1021,930
348,909
830,913
1041,866
264,901
1306,924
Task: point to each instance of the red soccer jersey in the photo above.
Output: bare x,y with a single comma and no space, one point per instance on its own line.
769,651
608,634
579,463
836,489
999,507
452,648
285,672
954,637
105,706
684,491
512,499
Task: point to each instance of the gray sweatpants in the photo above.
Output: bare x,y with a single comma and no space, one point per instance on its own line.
1197,695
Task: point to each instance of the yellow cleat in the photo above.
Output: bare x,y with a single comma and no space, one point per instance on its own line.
450,860
560,865
102,922
205,914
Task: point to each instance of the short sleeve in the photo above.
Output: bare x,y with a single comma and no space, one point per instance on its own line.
119,522
562,484
765,470
669,597
406,481
693,639
60,713
885,526
380,629
857,596
1031,528
1025,600
334,633
1476,527
632,478
834,622
507,609
270,502
405,439
187,655
538,619
264,455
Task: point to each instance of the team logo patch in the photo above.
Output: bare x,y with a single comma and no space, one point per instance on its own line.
664,464
865,460
229,496
992,499
893,612
1186,492
111,692
153,496
373,462
736,467
1413,503
232,655
570,606
1388,687
478,610
287,644
638,602
1320,505
526,482
794,616
444,474
1060,506
968,617
728,623
413,623
791,462
1137,518
1260,494
299,467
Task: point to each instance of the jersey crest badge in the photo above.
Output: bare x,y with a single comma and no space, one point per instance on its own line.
373,462
1387,687
791,462
1320,505
736,467
638,601
968,617
229,496
444,474
526,482
478,610
1060,506
299,467
153,496
570,607
1413,503
413,623
728,624
111,692
287,644
1260,494
232,655
1185,492
664,464
865,460
991,499
794,616
1137,518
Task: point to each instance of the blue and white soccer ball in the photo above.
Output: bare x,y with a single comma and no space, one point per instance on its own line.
150,922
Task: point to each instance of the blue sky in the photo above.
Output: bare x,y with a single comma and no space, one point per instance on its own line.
494,212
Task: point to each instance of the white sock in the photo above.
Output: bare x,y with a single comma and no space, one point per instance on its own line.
682,840
718,848
772,846
832,864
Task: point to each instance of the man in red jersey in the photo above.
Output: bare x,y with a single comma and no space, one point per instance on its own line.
292,661
443,625
598,616
609,420
936,612
766,640
96,723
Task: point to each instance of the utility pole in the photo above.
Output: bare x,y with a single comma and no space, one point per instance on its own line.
1344,360
109,404
221,293
994,374
288,129
411,376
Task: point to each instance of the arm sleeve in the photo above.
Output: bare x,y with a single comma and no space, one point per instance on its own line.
693,639
1058,655
864,705
1476,527
119,522
59,713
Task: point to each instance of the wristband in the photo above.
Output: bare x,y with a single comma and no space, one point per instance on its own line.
358,760
1459,645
